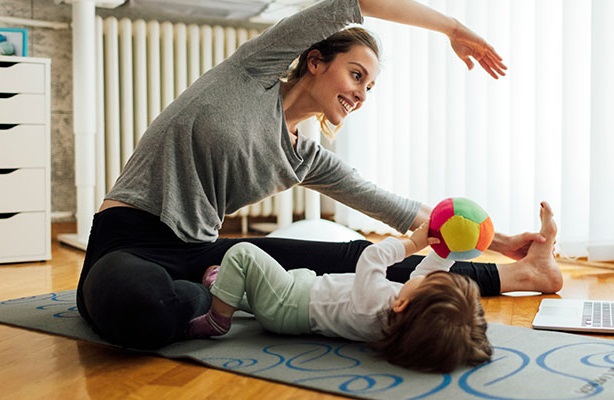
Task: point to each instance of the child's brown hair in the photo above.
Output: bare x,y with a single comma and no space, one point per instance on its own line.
442,327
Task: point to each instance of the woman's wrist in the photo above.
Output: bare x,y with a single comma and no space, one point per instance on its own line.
455,27
498,242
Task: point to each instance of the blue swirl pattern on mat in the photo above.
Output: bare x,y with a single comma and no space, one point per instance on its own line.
63,301
561,365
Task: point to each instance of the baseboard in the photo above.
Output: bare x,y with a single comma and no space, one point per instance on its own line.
601,252
71,239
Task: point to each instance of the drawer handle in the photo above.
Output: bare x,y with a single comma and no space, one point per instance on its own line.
7,171
6,64
6,127
7,95
7,215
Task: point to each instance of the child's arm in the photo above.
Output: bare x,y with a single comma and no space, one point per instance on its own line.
432,262
418,240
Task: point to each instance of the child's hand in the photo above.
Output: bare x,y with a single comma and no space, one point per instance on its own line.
419,239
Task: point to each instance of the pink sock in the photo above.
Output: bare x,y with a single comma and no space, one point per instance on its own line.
210,276
207,325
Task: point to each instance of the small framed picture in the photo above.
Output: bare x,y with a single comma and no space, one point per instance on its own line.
14,42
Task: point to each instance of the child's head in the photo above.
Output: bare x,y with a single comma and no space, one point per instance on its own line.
442,327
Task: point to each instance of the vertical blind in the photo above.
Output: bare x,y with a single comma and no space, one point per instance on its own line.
431,129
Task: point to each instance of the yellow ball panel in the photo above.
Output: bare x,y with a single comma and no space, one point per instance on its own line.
460,233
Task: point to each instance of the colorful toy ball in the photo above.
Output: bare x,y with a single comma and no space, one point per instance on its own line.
464,229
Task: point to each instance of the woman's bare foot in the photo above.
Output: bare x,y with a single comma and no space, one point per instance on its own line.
538,271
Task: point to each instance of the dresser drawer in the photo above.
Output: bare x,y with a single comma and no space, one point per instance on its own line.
23,236
23,108
23,190
22,146
22,77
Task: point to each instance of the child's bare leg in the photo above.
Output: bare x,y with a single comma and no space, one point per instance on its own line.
221,308
214,323
538,271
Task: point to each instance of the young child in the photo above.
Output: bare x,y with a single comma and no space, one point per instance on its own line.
433,322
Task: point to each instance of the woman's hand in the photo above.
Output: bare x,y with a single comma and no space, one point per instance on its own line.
517,246
466,44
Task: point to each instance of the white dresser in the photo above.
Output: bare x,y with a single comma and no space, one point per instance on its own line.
25,188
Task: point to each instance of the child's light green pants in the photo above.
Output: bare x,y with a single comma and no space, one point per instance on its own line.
279,299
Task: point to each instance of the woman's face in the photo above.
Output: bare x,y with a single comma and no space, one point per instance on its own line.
341,86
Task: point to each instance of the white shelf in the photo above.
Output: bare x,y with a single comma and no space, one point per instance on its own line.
25,178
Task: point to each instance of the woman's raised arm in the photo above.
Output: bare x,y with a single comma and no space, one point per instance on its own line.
465,43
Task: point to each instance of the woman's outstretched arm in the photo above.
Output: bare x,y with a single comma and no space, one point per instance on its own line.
466,44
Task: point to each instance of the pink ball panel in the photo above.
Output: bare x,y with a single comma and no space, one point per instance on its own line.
441,213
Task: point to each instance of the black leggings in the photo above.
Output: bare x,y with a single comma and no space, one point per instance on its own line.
141,285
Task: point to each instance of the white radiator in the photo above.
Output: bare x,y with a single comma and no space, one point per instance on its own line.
141,67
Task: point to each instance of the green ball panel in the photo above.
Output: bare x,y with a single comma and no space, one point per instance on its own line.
469,209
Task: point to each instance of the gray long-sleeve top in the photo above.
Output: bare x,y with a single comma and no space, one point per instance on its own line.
224,144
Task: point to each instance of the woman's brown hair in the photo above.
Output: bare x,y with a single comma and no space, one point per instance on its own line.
340,42
442,327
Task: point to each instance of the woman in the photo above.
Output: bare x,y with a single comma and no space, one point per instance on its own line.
231,139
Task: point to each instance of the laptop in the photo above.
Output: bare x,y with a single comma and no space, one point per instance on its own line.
575,315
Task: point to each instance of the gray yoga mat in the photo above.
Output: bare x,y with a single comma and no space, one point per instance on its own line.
527,364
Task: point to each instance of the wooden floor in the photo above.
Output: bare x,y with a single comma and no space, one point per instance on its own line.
40,366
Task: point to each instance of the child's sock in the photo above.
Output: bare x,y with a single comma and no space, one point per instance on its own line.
210,324
210,276
432,262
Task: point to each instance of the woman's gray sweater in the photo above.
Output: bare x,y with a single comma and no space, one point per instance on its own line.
223,143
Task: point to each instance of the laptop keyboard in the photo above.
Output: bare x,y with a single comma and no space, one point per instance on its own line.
598,314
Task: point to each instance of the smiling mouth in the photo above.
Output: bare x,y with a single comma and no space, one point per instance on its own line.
347,106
